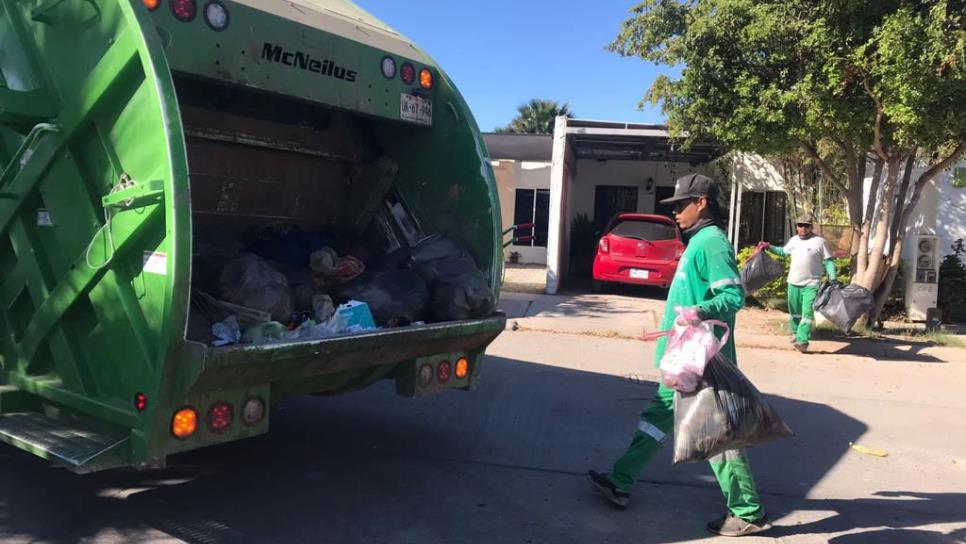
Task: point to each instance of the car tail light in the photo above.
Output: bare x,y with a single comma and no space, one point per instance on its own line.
679,251
184,423
426,79
462,368
151,4
426,374
184,10
220,417
604,245
253,411
444,371
407,73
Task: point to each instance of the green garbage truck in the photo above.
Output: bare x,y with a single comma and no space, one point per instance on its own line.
135,132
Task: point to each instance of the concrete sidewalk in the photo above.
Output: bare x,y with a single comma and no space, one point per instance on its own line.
620,316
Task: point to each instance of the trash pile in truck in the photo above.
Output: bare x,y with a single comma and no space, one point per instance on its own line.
280,283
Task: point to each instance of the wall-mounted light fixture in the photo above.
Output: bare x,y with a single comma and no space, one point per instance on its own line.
649,185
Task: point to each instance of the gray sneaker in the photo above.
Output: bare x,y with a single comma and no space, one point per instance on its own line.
801,346
732,525
602,484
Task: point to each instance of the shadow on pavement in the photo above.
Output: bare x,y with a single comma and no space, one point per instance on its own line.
885,350
504,463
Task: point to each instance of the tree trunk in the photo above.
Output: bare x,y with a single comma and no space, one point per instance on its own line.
865,229
902,197
882,294
869,278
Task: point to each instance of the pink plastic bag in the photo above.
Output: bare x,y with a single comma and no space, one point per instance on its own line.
689,348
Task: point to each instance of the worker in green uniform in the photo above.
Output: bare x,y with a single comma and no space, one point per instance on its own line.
706,285
809,253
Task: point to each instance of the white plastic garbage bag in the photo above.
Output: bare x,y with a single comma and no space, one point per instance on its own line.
689,348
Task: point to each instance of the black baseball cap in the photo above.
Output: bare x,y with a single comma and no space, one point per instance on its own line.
693,186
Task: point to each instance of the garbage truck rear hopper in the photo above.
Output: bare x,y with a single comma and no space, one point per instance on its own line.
136,134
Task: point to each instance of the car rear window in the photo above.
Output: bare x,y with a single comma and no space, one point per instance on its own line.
648,230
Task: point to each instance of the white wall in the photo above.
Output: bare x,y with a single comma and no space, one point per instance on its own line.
941,211
513,175
591,173
756,173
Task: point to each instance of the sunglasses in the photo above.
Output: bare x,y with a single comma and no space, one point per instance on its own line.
804,225
683,204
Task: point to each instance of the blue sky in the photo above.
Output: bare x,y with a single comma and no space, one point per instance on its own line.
502,53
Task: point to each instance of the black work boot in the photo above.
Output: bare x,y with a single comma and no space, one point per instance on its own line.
732,525
605,487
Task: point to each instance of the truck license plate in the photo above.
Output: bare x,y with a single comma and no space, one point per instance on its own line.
639,274
416,109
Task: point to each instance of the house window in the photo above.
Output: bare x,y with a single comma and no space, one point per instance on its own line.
609,200
763,217
532,206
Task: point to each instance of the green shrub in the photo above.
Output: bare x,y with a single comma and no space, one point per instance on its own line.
952,284
774,294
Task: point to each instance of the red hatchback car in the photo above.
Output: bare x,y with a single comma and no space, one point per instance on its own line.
637,248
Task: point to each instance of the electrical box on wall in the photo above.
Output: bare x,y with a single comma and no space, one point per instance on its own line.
922,278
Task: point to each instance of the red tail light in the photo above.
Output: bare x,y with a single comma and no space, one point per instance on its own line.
443,371
604,245
220,416
679,251
184,10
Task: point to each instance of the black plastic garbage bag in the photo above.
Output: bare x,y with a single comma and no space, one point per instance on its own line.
459,290
726,412
436,247
395,297
843,305
760,270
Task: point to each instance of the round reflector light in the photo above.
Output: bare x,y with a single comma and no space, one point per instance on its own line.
220,416
426,79
388,67
407,73
253,411
184,423
151,4
216,15
184,10
444,371
462,368
140,402
426,374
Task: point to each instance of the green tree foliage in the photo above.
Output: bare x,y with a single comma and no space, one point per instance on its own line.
849,83
537,117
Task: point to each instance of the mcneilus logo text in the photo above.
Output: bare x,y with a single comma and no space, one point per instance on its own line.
304,61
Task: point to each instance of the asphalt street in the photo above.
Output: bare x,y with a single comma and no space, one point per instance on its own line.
506,463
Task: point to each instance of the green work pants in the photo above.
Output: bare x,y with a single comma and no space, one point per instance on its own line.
730,468
801,315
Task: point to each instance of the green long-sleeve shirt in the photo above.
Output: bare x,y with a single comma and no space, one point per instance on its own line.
707,277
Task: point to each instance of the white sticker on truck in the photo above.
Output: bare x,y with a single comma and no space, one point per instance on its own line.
155,262
43,218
